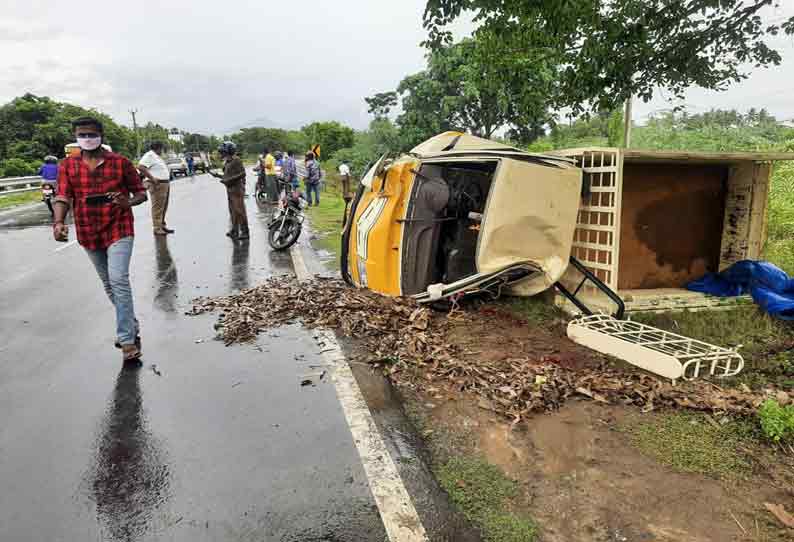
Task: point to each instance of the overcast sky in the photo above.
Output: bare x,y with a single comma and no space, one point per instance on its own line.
213,66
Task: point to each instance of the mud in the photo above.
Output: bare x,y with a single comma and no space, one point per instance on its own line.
582,480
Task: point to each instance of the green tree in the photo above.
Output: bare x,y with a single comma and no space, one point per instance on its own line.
380,104
34,126
472,86
331,136
609,51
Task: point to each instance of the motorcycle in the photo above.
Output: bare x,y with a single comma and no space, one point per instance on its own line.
286,225
48,195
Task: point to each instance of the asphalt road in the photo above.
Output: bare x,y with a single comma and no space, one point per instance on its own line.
203,442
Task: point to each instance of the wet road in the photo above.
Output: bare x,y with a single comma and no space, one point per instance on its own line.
203,442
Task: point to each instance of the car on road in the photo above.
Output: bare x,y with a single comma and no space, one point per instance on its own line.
176,166
460,215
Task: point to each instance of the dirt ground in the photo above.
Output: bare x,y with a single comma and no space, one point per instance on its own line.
583,480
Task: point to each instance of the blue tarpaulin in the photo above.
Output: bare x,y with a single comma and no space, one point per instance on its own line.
770,287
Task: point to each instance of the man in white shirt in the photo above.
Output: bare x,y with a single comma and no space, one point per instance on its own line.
157,176
344,174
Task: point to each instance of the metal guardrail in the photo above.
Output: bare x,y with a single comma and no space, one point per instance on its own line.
13,185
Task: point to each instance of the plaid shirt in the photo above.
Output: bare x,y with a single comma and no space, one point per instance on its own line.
99,226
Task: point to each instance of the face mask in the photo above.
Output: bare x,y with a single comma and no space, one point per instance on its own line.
89,143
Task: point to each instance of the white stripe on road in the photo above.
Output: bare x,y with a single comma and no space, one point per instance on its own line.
396,509
67,245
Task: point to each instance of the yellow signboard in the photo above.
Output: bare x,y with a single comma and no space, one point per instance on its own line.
316,150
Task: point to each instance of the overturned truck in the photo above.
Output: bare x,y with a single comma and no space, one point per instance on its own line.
460,215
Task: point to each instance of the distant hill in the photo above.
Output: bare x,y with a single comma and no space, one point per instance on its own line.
264,122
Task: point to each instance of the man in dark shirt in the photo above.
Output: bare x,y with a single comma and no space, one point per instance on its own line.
234,179
103,187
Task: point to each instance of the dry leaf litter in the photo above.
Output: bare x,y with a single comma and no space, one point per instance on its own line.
417,347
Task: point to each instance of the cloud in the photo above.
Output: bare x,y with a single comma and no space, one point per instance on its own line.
18,31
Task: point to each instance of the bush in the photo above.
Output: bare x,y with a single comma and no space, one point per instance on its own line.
17,167
777,422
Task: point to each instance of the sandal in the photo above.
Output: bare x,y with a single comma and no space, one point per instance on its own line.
130,352
117,344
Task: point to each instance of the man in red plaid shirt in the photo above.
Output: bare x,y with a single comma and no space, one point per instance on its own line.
103,187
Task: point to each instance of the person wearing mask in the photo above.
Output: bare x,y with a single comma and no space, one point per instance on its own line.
312,180
290,170
49,175
102,187
234,179
157,182
344,174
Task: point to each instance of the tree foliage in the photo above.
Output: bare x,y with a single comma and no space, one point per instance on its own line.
475,86
609,51
331,136
32,127
381,103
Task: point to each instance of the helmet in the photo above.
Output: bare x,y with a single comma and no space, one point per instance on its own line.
228,148
50,159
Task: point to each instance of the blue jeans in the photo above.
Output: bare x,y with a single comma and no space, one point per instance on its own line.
313,188
113,267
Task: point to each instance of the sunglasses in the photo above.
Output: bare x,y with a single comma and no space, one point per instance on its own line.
88,135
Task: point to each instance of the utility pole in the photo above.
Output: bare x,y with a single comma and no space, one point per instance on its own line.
135,131
627,127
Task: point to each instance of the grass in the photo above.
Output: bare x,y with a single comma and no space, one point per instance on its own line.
766,342
537,310
326,220
483,494
690,443
20,198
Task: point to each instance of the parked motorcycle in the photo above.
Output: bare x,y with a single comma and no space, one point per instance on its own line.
48,196
286,225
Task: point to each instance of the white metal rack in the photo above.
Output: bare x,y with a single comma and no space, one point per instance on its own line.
667,354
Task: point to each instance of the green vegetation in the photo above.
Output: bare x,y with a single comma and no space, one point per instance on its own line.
605,52
536,310
777,422
483,494
326,220
692,443
20,198
765,341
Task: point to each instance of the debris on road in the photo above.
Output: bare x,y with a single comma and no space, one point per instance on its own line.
422,349
155,370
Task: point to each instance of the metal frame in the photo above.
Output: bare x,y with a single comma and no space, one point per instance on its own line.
663,352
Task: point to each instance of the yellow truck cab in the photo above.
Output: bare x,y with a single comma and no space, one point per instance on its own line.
459,215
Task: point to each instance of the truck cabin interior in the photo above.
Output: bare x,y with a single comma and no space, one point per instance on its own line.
442,223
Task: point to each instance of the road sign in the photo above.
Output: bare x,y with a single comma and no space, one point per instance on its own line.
316,150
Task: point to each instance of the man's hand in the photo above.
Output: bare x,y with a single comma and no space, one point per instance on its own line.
60,232
122,200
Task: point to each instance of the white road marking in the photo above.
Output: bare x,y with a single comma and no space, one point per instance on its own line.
395,506
67,245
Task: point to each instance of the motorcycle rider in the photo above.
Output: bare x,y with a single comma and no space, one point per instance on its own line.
49,174
234,179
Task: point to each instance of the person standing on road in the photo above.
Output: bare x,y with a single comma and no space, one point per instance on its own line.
344,174
269,166
189,162
290,170
49,177
312,180
157,182
104,187
234,179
